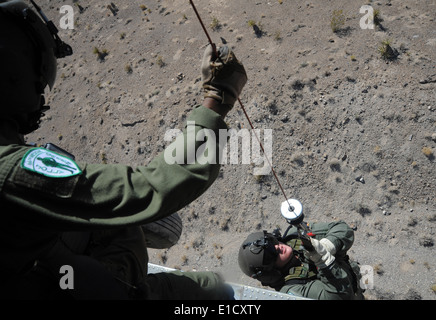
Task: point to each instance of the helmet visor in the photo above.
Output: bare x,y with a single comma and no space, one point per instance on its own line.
265,246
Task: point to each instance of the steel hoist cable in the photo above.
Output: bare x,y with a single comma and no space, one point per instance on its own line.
242,107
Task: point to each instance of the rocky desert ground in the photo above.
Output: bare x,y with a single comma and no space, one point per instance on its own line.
352,113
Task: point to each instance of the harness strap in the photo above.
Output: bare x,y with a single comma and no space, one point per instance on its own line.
304,273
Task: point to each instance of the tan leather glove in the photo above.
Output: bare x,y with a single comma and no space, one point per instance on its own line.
320,255
223,77
330,247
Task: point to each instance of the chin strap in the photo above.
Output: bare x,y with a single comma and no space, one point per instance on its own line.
32,121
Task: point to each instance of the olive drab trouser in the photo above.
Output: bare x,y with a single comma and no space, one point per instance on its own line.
104,264
88,278
178,285
112,264
125,255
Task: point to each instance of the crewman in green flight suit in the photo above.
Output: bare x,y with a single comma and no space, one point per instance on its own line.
90,216
286,264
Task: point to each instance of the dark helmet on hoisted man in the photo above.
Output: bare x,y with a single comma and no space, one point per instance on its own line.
257,254
29,48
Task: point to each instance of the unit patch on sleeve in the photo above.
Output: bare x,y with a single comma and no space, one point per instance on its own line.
49,163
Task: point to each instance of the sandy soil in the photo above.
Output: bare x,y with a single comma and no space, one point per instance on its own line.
353,134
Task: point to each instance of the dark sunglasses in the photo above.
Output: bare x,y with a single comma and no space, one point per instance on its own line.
266,244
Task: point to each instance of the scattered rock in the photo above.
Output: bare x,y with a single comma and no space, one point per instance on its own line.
426,242
412,295
342,130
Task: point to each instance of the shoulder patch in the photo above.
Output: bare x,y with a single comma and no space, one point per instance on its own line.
49,163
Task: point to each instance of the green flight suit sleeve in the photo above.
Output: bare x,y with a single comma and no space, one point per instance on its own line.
119,195
338,232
